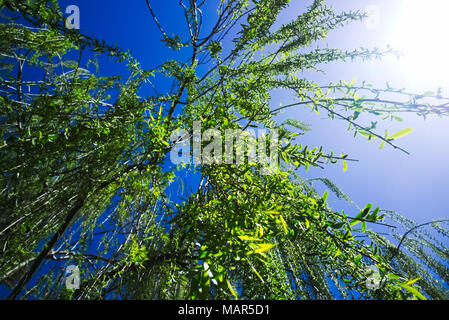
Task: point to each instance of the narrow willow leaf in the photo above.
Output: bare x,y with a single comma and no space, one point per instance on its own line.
234,293
401,133
248,238
354,222
284,225
413,291
262,248
412,281
257,273
325,195
366,134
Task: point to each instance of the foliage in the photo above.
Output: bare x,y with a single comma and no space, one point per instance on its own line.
86,179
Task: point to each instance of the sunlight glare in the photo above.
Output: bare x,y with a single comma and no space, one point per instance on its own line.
421,33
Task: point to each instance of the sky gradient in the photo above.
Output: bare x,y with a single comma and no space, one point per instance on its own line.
414,185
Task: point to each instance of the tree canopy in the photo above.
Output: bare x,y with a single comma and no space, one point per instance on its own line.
87,178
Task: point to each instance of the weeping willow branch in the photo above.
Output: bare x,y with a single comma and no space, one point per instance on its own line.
396,250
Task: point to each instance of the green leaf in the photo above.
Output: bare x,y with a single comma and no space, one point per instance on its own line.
366,134
284,225
413,291
231,288
248,238
412,281
325,195
257,273
365,211
345,166
207,269
262,248
338,225
352,83
401,133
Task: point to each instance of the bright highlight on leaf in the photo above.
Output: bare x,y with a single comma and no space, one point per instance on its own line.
284,225
345,166
400,134
231,288
260,248
413,291
248,238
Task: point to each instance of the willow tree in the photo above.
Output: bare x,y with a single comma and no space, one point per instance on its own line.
87,181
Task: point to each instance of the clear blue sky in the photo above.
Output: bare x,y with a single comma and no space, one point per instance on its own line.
414,185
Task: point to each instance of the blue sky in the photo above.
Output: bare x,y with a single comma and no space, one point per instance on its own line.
414,185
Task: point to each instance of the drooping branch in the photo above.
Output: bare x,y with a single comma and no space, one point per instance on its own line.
396,250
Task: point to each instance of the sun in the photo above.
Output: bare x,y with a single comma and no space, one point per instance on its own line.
421,32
